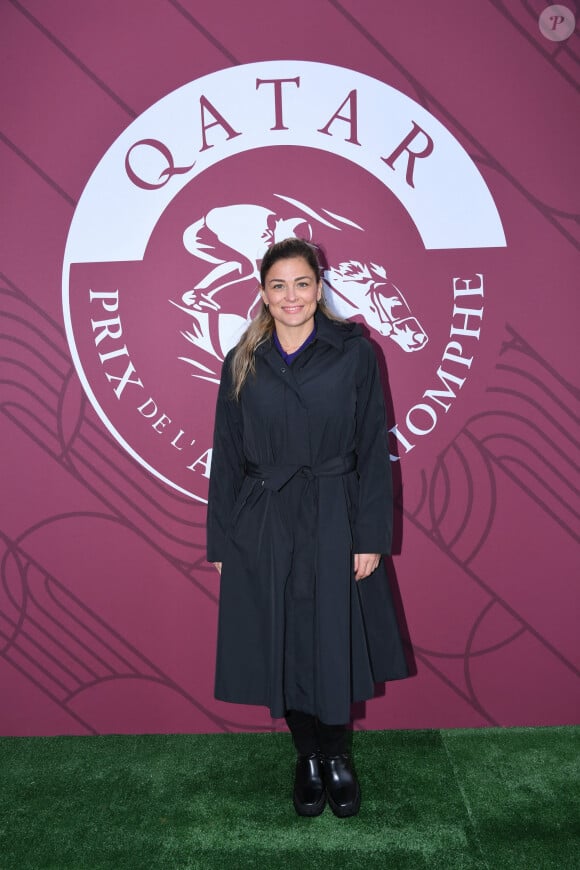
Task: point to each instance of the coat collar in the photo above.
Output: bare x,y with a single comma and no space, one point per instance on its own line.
330,331
336,332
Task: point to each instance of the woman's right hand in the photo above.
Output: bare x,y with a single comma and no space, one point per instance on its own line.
218,565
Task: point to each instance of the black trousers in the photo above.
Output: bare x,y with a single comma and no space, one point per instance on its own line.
310,735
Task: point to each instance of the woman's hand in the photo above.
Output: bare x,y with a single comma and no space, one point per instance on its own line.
218,565
365,564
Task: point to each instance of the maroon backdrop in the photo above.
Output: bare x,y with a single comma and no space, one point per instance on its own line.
120,291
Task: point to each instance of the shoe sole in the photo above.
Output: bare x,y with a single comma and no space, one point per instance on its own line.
345,812
309,810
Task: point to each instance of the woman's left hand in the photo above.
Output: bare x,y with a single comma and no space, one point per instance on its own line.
365,564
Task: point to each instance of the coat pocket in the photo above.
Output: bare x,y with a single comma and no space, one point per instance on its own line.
350,485
249,485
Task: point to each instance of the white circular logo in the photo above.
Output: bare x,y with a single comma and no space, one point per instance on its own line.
557,22
162,260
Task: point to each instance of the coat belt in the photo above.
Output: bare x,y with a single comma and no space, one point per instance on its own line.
274,477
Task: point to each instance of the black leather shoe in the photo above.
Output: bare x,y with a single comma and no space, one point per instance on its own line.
309,794
342,788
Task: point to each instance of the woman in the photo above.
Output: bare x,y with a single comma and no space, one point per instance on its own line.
300,511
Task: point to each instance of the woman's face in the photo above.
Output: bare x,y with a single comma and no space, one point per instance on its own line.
291,290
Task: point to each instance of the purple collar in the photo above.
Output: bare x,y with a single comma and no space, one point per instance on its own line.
290,357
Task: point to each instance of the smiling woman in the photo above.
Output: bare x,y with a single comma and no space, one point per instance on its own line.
291,292
299,513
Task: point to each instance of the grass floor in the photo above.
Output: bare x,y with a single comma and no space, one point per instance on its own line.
493,798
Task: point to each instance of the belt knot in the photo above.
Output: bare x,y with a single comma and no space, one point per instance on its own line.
274,477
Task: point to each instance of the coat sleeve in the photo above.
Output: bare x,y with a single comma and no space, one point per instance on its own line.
227,465
373,528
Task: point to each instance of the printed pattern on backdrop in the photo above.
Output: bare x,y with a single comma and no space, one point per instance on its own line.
107,605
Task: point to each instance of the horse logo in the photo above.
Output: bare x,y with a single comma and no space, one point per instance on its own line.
232,240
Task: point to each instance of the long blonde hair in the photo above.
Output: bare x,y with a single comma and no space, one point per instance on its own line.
262,326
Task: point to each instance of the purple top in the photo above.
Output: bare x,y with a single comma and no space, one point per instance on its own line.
290,357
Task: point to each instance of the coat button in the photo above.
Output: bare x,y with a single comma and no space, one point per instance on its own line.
283,371
262,483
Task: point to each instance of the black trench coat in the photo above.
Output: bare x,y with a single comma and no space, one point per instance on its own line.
300,481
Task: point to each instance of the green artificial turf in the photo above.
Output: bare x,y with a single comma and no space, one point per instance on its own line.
522,789
490,798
